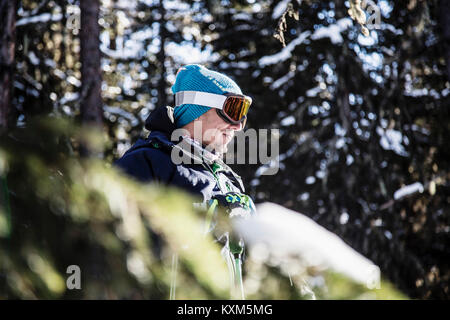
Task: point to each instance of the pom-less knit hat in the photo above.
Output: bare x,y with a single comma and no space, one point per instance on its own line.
195,77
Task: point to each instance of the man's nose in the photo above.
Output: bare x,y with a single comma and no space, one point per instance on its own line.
236,127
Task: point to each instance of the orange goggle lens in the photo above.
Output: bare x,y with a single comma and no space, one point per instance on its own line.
236,108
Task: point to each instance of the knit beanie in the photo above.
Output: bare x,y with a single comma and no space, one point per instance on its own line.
194,77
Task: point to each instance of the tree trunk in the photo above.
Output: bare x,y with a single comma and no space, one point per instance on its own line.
7,49
62,48
162,96
444,10
91,101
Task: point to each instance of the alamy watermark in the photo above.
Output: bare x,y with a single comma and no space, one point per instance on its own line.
74,279
374,14
233,147
73,21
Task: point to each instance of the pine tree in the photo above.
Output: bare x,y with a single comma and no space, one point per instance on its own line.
444,21
7,53
360,118
91,101
363,120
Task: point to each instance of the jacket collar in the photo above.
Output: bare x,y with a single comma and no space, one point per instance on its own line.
161,119
161,124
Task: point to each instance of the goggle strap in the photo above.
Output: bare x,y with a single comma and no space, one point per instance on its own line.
201,98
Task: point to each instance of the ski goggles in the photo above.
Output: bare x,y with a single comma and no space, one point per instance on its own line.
230,107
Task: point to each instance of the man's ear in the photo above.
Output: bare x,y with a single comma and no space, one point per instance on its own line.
170,114
178,71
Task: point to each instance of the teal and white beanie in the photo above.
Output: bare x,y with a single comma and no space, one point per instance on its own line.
194,77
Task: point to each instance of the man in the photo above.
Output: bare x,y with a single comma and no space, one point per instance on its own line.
209,109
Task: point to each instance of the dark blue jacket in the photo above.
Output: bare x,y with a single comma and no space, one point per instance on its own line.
150,160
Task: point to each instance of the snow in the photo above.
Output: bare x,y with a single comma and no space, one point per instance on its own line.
50,63
288,121
140,35
349,160
177,5
338,130
278,83
285,53
408,190
417,92
44,17
242,16
371,61
187,53
378,222
313,91
269,167
74,81
321,174
288,233
261,170
67,110
19,85
303,197
310,180
343,219
340,143
244,27
392,140
128,50
280,8
371,40
68,97
122,113
419,129
424,92
235,65
390,27
33,58
385,8
333,31
59,73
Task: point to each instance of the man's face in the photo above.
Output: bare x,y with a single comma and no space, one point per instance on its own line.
216,133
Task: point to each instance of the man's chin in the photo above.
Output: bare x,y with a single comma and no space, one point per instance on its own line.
220,148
